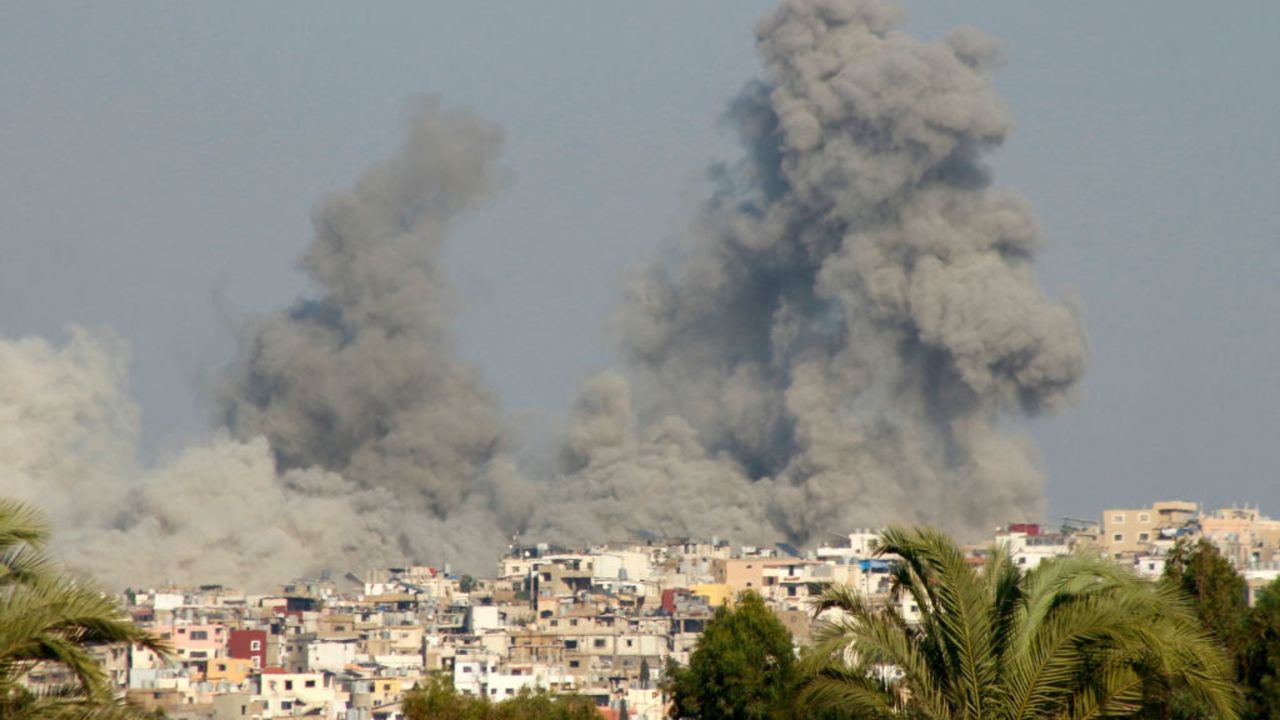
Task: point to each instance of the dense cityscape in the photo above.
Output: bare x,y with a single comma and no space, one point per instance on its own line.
602,623
681,361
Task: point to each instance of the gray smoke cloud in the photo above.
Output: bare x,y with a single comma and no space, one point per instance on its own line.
854,315
852,323
364,381
354,436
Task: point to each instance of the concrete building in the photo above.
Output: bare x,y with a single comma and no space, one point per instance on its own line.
1129,531
1243,535
248,645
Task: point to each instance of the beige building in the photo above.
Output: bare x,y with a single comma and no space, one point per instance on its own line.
747,573
1243,535
1132,530
232,671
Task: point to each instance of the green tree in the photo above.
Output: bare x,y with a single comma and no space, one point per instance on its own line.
1076,637
440,701
742,668
1218,597
46,618
1218,592
1261,677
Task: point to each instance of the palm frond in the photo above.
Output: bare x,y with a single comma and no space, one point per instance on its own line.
47,618
21,524
1077,637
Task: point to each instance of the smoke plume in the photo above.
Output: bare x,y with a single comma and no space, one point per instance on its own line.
364,381
851,324
354,436
853,316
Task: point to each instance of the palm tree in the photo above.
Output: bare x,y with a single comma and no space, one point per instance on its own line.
1077,637
48,619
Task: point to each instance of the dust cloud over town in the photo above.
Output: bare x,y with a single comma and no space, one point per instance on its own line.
847,329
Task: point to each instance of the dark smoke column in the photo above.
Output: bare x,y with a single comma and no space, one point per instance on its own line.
857,310
363,380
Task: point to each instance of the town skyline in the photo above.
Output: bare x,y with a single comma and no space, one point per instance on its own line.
604,623
631,361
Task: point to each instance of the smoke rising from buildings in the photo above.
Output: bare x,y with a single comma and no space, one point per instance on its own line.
354,436
852,321
364,381
854,314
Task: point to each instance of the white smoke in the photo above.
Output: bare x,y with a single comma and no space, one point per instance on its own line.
68,429
217,512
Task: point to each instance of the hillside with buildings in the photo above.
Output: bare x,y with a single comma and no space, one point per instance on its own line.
602,621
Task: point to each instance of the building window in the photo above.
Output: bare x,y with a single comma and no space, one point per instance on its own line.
1144,517
1143,537
311,683
288,684
199,634
570,644
573,663
1117,519
599,642
1118,537
255,644
257,661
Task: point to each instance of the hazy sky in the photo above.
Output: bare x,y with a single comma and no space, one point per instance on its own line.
159,162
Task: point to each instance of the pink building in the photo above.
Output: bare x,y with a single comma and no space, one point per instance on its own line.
198,642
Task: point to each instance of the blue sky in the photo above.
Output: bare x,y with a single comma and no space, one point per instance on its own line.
159,162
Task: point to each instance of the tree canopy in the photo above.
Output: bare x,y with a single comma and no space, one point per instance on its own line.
743,667
1250,635
1217,590
438,700
1261,676
1076,637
